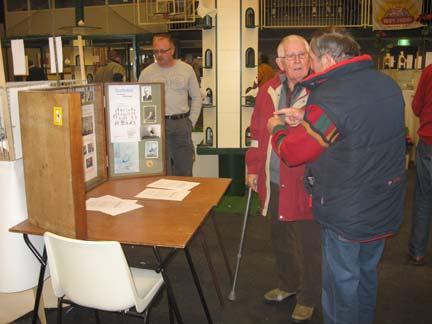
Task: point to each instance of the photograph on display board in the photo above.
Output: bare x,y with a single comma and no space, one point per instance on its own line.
149,114
89,142
149,131
89,94
151,150
146,93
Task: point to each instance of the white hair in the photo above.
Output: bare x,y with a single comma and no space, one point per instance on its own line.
291,38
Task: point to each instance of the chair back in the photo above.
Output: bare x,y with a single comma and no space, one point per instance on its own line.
93,274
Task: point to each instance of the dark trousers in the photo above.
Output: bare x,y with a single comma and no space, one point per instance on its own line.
179,147
297,250
422,210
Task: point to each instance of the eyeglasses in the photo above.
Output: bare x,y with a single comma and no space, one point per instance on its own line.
293,57
161,51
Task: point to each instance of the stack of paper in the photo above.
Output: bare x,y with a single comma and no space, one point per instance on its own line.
165,189
111,205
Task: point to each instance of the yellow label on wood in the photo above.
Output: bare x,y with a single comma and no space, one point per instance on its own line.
58,116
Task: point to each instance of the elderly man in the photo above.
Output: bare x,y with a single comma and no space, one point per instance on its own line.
295,236
180,83
352,135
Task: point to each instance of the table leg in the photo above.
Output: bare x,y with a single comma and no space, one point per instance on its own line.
198,285
42,259
210,265
170,293
41,310
222,246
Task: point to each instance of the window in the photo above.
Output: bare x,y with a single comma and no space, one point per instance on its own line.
94,3
64,3
119,1
17,5
39,4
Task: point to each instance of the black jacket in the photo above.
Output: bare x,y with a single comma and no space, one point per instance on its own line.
359,181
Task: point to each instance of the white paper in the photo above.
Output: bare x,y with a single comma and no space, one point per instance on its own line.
125,113
89,142
111,205
59,53
173,184
163,194
20,66
428,59
126,157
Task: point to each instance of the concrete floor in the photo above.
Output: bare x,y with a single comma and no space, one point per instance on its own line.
405,292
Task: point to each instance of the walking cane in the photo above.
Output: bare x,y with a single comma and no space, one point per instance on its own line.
232,295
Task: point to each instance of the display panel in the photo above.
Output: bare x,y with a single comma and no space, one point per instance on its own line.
135,129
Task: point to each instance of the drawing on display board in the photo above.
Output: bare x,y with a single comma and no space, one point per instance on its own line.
151,150
126,157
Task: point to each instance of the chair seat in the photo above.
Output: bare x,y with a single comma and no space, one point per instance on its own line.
147,283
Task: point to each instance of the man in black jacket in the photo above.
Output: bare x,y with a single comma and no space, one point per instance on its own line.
352,135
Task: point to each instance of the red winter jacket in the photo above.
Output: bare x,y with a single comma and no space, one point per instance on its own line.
293,200
422,105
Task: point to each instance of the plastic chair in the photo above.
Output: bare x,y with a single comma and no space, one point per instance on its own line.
95,274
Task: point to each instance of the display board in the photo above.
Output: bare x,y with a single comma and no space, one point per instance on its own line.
135,129
53,164
72,142
10,130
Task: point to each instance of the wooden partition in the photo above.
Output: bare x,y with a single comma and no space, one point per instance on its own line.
52,155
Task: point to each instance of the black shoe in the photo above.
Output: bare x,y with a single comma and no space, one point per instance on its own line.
418,261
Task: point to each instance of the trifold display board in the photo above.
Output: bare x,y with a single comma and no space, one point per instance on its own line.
72,142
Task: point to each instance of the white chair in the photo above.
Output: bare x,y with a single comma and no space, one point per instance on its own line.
95,274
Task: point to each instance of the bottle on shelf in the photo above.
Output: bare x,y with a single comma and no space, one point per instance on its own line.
388,61
402,61
209,136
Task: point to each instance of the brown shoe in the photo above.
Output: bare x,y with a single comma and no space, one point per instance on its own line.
302,313
416,260
277,295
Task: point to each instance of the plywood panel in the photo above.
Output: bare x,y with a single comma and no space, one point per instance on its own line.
53,165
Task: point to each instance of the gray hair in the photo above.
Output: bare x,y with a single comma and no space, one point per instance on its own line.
339,44
290,38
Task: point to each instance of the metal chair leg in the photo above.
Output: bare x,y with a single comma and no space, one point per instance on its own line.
59,310
147,316
97,316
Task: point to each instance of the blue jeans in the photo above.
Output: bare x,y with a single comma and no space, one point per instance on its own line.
349,279
422,210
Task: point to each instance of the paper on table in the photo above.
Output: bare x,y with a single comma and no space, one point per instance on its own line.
173,184
111,205
163,194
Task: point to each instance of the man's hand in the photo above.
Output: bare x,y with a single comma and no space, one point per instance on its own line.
273,122
252,181
293,116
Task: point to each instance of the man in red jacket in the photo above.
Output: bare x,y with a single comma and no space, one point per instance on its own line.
422,212
295,235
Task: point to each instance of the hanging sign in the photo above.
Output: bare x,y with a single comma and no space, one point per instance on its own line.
396,14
